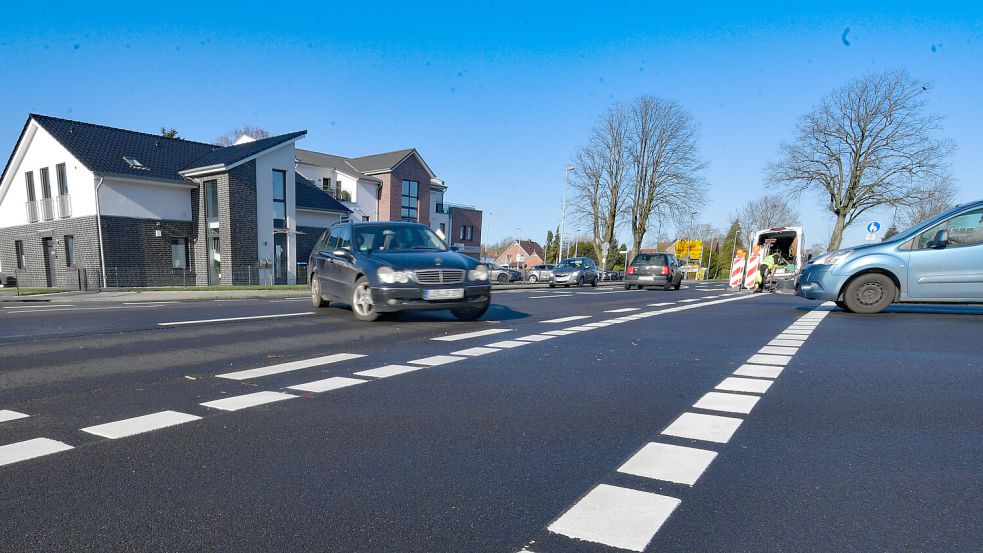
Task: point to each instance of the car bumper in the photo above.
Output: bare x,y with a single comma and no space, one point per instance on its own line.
399,299
646,280
818,282
564,279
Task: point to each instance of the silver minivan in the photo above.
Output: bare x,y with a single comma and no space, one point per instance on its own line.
937,261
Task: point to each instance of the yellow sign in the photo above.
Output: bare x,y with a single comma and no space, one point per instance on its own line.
691,248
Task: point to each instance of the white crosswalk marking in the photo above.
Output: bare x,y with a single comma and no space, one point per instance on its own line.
387,371
623,310
731,403
437,360
327,384
753,385
560,332
536,337
709,428
786,342
22,451
474,352
672,463
619,517
778,350
6,415
568,319
689,300
236,403
579,328
508,344
467,335
291,366
759,371
139,425
764,359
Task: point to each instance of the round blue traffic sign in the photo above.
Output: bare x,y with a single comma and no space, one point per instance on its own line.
873,227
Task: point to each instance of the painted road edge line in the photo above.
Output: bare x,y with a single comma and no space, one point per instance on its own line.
232,319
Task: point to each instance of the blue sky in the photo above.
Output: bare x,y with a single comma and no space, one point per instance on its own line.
496,96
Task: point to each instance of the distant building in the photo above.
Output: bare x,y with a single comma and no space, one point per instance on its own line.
521,254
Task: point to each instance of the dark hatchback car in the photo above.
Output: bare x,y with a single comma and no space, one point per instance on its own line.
395,266
653,269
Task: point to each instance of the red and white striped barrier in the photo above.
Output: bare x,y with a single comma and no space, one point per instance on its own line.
737,271
750,280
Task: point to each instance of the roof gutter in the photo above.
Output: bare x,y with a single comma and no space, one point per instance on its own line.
102,252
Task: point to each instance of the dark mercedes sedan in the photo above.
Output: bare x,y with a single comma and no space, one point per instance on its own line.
395,266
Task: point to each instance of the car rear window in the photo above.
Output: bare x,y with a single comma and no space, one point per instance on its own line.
647,259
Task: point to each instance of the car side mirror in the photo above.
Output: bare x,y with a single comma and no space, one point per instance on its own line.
941,240
341,252
453,248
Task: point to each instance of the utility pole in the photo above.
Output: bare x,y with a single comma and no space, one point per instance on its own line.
563,220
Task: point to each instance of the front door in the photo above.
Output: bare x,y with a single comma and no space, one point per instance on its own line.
279,258
954,271
50,261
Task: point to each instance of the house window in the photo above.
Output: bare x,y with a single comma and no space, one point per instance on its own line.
179,253
411,197
69,251
470,233
279,198
45,183
211,200
463,231
62,179
29,181
443,229
365,217
326,184
19,251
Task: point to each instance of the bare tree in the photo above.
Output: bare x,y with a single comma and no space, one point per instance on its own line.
771,210
600,178
230,137
868,144
929,201
665,164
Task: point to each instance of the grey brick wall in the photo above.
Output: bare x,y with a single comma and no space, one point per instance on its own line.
136,256
306,241
35,269
242,230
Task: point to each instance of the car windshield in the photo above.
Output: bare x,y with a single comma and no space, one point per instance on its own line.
645,259
571,264
383,238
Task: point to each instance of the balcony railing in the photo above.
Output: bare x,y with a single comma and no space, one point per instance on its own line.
64,206
32,211
47,209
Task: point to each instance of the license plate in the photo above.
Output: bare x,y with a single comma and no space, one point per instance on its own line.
646,278
444,294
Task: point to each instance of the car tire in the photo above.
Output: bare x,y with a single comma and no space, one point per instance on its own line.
552,285
842,305
362,305
503,278
678,284
470,312
627,286
869,293
668,286
533,279
593,283
317,300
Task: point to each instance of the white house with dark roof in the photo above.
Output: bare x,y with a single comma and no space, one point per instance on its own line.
84,205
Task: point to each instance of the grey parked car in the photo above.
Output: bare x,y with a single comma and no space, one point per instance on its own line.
938,261
503,275
540,273
577,271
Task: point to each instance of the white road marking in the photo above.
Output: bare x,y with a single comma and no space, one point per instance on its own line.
623,310
786,342
568,319
731,403
797,331
149,302
710,428
778,350
660,304
551,296
753,385
579,328
508,344
236,403
437,360
799,337
74,309
229,319
289,299
536,337
474,352
759,371
689,300
139,425
327,384
291,366
467,335
672,463
388,370
22,451
37,306
600,324
764,359
560,332
7,415
619,517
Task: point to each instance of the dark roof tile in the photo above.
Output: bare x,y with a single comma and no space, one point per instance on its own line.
310,196
230,155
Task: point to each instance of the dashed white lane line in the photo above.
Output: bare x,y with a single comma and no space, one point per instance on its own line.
475,352
230,319
731,403
327,384
248,400
786,342
388,370
778,350
550,296
672,463
753,385
765,359
291,366
689,300
467,335
149,302
38,306
508,344
567,319
76,309
599,324
437,360
579,328
662,304
139,425
623,310
38,447
615,516
536,337
709,428
7,415
560,332
759,371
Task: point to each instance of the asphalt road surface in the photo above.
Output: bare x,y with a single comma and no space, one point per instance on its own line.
566,420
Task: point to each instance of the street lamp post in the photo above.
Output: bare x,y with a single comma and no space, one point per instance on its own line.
563,220
518,246
490,213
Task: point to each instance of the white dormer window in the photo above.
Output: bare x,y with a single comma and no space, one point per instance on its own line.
133,163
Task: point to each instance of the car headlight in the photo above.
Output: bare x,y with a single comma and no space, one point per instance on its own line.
832,258
574,274
389,276
480,272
